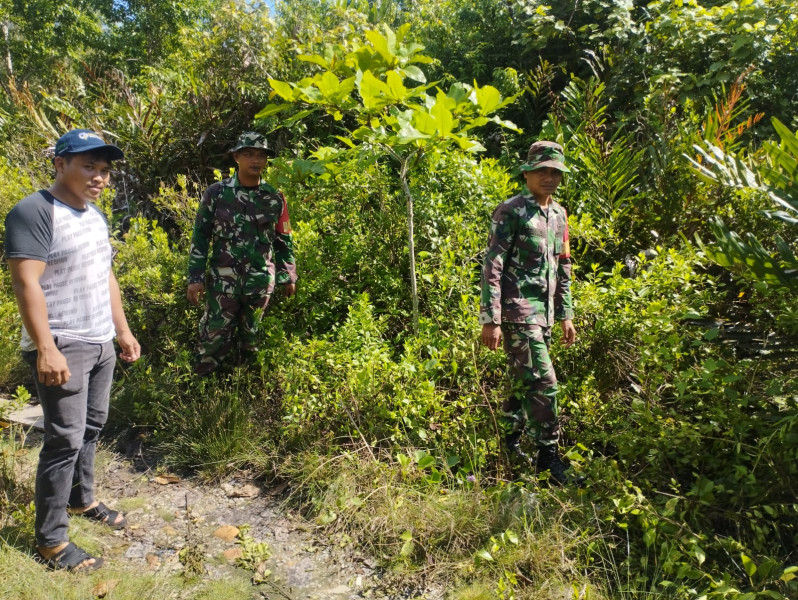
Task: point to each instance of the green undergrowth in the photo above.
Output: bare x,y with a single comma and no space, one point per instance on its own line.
689,444
478,538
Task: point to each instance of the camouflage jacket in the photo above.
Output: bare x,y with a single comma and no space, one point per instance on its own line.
241,233
526,276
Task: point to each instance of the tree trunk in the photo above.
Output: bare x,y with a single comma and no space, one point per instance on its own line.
8,62
411,247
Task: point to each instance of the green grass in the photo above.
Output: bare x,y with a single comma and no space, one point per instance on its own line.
128,504
166,515
213,437
467,536
24,579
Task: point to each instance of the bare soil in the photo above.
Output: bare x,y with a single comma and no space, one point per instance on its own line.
168,514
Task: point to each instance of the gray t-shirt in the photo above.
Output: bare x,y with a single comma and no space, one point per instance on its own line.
74,245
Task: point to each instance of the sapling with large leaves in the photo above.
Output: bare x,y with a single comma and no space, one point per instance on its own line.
380,96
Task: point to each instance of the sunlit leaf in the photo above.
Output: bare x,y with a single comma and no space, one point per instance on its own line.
415,73
396,88
271,109
315,59
282,89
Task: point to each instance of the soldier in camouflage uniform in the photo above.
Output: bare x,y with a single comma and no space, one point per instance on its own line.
526,287
241,246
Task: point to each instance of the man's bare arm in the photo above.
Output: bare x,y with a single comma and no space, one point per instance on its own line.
50,363
128,344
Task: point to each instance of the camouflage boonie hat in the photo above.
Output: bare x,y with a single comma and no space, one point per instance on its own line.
545,154
251,139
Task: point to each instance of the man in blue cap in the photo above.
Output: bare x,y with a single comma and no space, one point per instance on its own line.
59,256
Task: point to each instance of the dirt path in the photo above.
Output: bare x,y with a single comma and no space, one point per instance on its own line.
168,514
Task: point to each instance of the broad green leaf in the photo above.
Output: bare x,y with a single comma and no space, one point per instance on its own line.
425,462
411,50
328,84
373,92
407,549
506,124
402,32
390,37
748,565
443,119
446,100
304,167
311,94
406,536
409,135
315,59
396,87
271,109
345,88
474,123
511,537
459,92
325,153
468,144
424,122
298,116
380,44
488,99
700,555
484,555
282,89
362,133
346,141
670,507
415,73
365,59
403,460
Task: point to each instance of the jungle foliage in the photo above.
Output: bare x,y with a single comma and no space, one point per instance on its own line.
397,125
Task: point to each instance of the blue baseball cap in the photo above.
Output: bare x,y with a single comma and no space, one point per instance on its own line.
85,140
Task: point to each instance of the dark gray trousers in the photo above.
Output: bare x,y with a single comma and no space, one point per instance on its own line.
74,414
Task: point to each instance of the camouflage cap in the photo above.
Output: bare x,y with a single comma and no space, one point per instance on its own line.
545,154
251,139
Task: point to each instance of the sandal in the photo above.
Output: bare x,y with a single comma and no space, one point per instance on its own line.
71,559
102,514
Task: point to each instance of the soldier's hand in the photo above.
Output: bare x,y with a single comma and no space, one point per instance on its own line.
491,335
195,292
568,332
289,289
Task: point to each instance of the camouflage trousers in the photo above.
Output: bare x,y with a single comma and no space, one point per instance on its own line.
229,326
532,407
